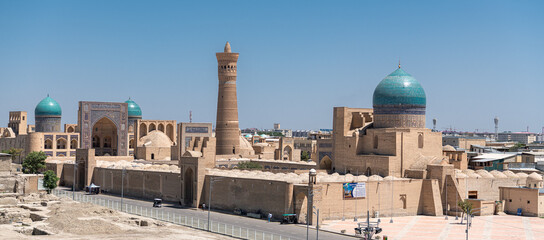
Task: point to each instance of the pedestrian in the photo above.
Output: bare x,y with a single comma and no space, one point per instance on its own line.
269,217
203,206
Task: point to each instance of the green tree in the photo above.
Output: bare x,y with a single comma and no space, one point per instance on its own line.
249,165
50,180
466,207
34,162
304,156
516,147
14,152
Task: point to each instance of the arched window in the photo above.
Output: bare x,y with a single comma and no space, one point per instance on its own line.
161,127
70,129
96,142
131,143
73,144
143,130
107,142
152,127
48,144
61,143
375,142
420,140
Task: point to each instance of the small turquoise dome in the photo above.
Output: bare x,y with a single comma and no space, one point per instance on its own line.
133,109
48,107
399,88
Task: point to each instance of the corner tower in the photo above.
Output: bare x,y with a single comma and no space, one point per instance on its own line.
399,102
227,130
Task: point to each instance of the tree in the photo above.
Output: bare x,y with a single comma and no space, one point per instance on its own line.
304,156
466,207
249,165
34,162
14,152
50,180
516,147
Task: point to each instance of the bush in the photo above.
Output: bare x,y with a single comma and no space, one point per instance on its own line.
50,180
249,165
34,162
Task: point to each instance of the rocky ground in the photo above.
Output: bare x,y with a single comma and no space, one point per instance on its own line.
43,216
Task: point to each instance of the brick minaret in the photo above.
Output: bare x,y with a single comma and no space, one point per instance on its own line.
227,131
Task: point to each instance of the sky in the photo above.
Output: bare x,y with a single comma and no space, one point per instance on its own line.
298,59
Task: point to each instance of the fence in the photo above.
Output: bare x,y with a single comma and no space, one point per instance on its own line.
179,219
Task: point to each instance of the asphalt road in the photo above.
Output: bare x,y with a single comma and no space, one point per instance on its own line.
285,230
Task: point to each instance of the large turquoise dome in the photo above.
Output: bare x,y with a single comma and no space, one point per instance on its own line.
399,88
133,109
48,107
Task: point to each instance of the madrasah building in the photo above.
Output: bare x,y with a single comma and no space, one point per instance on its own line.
387,148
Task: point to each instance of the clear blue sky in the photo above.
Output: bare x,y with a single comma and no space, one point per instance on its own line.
298,59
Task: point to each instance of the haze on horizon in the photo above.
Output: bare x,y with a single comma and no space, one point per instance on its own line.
475,59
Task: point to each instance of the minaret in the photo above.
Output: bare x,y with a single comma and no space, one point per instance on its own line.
227,131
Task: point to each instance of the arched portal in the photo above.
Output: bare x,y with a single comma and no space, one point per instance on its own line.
152,127
106,130
301,207
325,163
161,127
287,153
188,180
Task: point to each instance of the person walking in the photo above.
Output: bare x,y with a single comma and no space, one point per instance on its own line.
269,217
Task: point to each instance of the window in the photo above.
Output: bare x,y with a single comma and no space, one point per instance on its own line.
528,202
420,140
473,194
375,142
509,200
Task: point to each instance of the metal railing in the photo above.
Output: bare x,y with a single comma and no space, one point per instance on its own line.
179,219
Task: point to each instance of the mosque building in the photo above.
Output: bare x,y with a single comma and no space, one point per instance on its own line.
390,139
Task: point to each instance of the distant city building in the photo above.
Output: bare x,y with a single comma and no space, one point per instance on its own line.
521,137
463,141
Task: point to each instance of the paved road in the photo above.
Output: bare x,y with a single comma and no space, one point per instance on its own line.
285,230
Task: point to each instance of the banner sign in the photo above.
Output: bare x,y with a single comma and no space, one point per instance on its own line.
354,190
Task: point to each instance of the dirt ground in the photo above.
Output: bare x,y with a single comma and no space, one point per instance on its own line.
42,216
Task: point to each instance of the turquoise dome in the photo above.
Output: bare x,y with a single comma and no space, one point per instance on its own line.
133,109
399,88
48,107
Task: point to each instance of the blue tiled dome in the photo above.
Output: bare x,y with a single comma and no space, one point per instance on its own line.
397,89
48,107
133,109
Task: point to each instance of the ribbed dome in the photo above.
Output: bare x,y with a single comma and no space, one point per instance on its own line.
133,109
399,88
48,107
